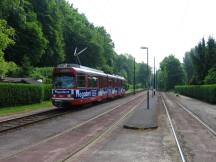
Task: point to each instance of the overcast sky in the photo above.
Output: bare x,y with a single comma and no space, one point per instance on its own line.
164,26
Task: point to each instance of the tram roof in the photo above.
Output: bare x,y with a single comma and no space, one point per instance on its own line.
85,69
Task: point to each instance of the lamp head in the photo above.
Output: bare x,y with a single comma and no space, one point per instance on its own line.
144,47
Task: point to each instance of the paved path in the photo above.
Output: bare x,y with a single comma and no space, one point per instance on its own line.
206,111
144,118
134,145
199,145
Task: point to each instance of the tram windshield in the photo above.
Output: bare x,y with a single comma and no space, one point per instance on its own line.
63,81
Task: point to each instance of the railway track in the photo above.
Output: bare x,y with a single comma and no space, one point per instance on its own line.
173,131
30,119
19,122
121,110
196,117
75,154
198,123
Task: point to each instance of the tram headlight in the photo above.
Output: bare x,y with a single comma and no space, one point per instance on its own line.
69,96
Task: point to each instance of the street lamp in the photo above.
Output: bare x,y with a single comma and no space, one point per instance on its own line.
147,78
134,80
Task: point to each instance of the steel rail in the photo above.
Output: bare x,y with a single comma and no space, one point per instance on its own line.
174,133
99,137
19,122
77,126
29,119
196,117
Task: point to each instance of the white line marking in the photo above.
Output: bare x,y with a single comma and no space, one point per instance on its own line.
197,118
173,130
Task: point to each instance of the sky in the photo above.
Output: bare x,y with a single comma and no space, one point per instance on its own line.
164,26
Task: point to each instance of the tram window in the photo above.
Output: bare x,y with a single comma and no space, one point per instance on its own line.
80,81
118,83
105,82
110,83
102,82
92,81
63,81
113,82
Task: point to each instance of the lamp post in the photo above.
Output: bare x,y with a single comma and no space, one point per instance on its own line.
147,78
154,78
134,81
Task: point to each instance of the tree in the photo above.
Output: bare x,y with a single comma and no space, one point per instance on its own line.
124,66
211,53
30,41
203,58
49,15
188,66
143,75
172,72
200,61
211,77
5,40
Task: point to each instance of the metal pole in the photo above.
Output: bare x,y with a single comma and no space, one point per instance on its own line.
134,81
156,85
147,82
154,77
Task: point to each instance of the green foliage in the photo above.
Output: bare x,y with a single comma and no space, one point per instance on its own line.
143,75
49,31
5,40
47,91
199,61
5,36
14,70
30,40
49,15
211,77
44,73
15,109
22,94
107,69
188,66
7,68
171,73
27,67
203,92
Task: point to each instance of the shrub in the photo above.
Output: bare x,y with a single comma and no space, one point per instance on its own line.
44,73
202,92
47,91
22,94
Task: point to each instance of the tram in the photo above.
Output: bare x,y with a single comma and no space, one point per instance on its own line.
76,85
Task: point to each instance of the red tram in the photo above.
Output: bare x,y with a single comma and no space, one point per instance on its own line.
76,85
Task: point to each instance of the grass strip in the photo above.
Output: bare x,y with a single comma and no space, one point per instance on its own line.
19,109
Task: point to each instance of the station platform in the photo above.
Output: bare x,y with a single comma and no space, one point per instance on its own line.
144,118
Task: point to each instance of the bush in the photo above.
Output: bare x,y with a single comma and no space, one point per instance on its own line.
22,94
47,91
44,73
202,92
211,77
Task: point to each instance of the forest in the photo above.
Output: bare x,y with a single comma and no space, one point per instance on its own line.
35,36
38,35
198,67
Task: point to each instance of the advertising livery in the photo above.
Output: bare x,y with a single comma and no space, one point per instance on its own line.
75,85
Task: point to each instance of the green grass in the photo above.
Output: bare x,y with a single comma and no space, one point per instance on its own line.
131,90
18,109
